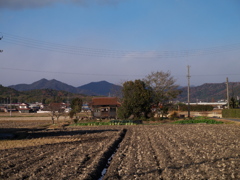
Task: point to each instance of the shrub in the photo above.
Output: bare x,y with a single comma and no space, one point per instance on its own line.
231,113
75,120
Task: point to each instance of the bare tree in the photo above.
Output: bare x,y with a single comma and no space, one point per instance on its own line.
164,89
56,110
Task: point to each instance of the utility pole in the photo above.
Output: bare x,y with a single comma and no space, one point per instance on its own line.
227,94
0,49
10,106
188,76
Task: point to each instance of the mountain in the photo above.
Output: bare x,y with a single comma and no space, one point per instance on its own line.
210,92
45,96
5,92
102,88
206,92
46,84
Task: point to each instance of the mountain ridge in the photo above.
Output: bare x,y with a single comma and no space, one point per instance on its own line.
210,92
101,88
206,92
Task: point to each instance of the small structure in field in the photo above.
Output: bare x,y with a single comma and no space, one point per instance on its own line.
104,107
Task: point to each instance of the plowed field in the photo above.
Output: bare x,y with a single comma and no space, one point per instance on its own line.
143,152
178,152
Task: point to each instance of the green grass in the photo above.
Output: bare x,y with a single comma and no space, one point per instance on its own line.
198,120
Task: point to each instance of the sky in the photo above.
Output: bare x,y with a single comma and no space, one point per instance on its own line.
82,41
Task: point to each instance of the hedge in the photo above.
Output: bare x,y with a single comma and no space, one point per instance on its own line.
196,108
231,113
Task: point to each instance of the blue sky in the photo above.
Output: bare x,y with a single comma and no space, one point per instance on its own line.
83,41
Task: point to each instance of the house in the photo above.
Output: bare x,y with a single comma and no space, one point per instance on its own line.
53,107
85,107
104,107
24,108
3,109
60,107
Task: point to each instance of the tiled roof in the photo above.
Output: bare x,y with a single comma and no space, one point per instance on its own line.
104,101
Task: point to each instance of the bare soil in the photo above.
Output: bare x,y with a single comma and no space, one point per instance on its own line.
178,152
144,152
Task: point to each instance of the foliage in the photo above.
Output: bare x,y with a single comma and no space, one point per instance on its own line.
184,107
75,121
234,103
231,113
198,120
137,100
76,107
164,89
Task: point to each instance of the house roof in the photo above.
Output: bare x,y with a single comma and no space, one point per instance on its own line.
104,101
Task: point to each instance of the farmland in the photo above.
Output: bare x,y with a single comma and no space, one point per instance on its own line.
169,151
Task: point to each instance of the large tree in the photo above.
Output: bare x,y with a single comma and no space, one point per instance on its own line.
164,89
136,100
76,107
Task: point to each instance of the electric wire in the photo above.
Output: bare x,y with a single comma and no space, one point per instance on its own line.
86,51
117,75
61,72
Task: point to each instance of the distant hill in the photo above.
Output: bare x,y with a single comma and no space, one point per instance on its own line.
45,84
206,92
37,95
5,92
102,88
210,92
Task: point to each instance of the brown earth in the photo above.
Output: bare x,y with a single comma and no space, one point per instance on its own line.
145,152
178,152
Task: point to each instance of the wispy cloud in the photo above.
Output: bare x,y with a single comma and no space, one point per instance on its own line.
26,4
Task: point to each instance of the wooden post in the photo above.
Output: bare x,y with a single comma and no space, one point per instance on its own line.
188,76
227,94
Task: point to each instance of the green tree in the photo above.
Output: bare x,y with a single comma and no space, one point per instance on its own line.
234,103
164,89
136,100
76,107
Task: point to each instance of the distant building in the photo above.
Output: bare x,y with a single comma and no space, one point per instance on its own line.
24,108
216,105
3,109
104,107
85,107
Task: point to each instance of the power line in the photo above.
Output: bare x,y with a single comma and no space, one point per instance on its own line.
85,51
70,73
97,74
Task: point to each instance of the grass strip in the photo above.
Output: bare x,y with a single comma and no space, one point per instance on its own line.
111,123
198,120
